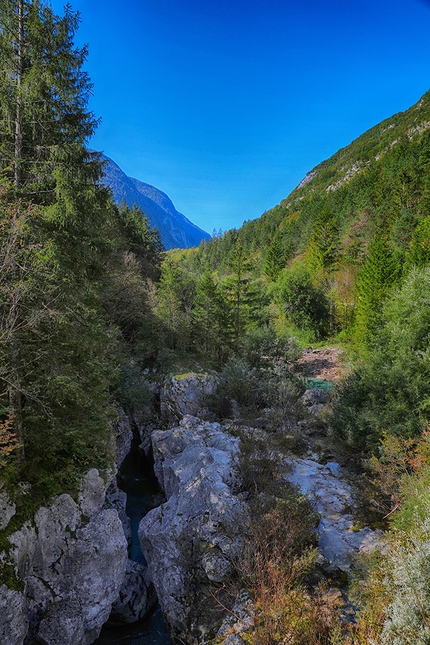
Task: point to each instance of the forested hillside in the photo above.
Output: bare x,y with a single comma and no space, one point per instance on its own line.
352,228
345,259
92,308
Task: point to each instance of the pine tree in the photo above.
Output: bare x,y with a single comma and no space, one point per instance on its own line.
211,318
373,283
236,286
323,247
57,356
44,92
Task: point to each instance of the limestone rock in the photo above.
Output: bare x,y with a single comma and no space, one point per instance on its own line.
123,437
136,597
331,497
13,617
117,499
240,620
186,394
316,395
7,508
72,561
92,492
191,541
63,624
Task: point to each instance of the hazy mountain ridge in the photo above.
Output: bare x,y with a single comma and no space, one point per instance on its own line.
175,229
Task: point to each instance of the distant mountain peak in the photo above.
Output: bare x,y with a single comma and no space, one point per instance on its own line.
175,229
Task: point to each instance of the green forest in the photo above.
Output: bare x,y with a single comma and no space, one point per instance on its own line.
91,305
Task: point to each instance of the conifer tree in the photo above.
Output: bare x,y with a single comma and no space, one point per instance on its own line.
323,247
237,287
373,283
57,355
211,318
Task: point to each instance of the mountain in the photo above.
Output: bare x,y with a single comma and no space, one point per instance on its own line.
378,184
349,232
175,229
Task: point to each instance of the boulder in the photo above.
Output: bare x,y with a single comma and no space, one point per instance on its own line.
63,624
117,499
72,562
186,394
13,617
192,540
331,497
123,437
316,395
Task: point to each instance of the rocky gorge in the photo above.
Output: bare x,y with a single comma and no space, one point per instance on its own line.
73,561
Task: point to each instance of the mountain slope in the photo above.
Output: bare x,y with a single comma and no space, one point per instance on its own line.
175,229
380,180
355,225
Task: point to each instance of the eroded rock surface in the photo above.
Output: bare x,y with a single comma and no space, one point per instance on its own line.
191,541
13,617
7,508
136,596
72,562
186,394
331,497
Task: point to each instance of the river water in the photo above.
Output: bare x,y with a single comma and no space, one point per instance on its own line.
138,481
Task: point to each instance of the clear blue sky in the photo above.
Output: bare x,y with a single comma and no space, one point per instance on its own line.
225,105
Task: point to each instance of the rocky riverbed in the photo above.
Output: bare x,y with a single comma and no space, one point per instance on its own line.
73,559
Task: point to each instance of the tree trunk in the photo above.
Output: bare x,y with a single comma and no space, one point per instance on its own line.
18,114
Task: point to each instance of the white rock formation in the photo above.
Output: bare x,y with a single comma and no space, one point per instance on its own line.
186,394
72,562
191,541
331,497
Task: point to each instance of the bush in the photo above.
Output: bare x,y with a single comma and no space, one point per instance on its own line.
237,382
264,349
391,391
278,555
305,305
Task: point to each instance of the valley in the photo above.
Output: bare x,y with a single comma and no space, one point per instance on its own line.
270,385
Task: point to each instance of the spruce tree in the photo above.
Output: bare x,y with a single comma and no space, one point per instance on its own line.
57,356
374,281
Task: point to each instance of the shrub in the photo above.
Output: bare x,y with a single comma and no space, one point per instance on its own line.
391,391
305,305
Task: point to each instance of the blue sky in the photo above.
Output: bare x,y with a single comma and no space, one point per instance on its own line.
225,105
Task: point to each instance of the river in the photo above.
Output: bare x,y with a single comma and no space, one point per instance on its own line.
138,481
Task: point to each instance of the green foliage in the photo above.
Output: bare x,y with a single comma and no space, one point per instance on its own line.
407,621
373,283
264,349
390,392
73,294
134,392
238,382
323,247
304,304
378,189
211,319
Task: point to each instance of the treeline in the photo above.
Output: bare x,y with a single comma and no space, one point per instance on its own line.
354,240
331,262
76,271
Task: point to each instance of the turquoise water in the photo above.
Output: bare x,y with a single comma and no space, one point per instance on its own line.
138,481
318,383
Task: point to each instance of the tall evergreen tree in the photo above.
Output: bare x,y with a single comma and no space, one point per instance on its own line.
373,283
323,247
211,318
57,357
